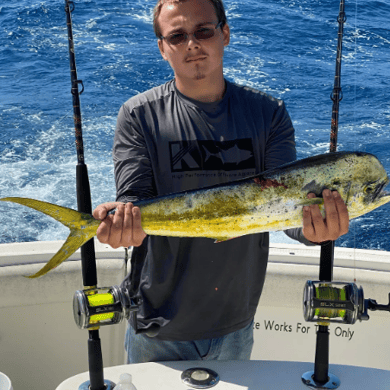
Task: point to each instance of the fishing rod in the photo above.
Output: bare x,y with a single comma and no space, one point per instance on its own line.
327,250
321,378
337,94
93,307
325,301
321,366
88,258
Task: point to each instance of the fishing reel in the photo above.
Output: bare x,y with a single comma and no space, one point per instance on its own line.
339,302
103,306
325,302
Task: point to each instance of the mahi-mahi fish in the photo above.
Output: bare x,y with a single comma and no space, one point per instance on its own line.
270,201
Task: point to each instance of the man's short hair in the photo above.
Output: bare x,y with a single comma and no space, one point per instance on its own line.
218,6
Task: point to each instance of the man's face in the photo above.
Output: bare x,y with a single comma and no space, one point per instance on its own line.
193,60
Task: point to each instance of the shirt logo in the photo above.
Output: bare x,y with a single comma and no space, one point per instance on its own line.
211,155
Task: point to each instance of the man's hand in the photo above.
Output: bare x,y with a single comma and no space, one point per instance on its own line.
121,229
336,223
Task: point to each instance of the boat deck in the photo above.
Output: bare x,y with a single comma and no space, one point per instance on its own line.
42,347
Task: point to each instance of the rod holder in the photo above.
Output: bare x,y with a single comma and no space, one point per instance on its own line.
108,385
332,383
320,378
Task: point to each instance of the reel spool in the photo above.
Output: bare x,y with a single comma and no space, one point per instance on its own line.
97,307
326,302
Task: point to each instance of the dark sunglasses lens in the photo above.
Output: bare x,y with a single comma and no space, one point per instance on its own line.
204,33
176,39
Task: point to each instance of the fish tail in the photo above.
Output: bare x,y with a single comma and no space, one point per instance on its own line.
82,227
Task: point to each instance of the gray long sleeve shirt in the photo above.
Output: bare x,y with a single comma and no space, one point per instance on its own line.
166,142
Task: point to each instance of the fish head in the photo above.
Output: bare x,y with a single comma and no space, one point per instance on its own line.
367,190
374,194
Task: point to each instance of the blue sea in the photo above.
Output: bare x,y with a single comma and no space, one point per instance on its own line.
286,48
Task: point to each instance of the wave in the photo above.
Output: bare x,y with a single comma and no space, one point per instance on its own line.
284,48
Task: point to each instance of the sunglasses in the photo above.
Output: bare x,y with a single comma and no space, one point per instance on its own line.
200,35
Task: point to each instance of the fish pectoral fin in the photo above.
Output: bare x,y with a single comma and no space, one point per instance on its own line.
75,239
311,201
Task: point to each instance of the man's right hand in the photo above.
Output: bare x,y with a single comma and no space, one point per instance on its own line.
121,229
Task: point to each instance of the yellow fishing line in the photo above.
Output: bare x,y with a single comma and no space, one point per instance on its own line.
334,294
98,300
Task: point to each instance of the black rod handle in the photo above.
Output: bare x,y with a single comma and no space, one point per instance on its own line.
326,261
95,361
88,258
321,366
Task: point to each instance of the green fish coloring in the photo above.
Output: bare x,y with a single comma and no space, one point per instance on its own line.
270,201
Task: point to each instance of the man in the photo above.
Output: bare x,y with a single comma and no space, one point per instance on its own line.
199,297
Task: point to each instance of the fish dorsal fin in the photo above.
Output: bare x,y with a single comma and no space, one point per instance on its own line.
82,228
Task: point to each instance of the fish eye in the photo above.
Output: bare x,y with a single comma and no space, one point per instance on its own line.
371,188
368,189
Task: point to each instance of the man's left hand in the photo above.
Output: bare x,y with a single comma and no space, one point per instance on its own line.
336,222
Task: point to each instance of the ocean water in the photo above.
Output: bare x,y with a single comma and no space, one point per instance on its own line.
286,48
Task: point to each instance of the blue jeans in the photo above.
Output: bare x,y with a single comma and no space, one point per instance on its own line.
233,346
